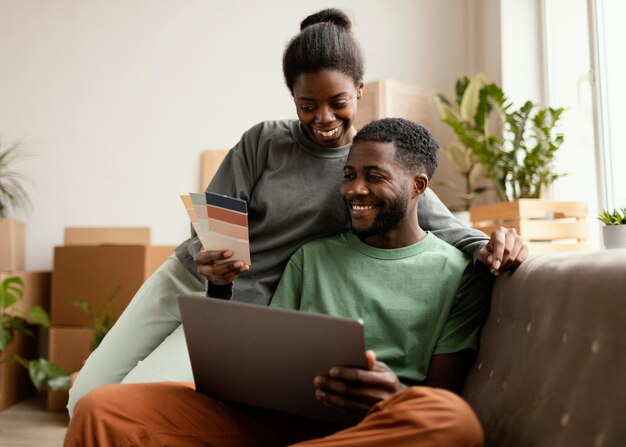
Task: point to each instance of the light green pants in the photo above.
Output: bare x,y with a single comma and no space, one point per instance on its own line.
147,343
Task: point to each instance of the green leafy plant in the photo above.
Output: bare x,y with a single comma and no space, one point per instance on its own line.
519,161
101,320
43,372
617,217
461,157
12,192
13,319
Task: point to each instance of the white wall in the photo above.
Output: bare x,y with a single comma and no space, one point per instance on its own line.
116,100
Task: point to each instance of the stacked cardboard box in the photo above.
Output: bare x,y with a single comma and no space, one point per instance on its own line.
15,383
94,265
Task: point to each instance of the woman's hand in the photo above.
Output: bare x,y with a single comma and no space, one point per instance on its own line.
355,390
220,273
504,251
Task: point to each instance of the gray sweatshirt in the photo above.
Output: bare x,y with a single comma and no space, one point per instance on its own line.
292,185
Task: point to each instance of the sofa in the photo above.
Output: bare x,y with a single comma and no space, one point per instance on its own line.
551,370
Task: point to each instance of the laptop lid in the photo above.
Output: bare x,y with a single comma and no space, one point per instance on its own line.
267,357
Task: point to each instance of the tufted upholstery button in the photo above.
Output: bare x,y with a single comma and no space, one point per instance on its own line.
529,327
480,366
599,441
595,346
565,420
565,337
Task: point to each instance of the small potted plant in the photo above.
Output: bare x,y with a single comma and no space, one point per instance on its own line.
614,229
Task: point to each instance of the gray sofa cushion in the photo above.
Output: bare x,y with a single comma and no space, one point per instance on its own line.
552,365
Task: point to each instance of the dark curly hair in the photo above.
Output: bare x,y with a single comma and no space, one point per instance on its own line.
416,148
325,41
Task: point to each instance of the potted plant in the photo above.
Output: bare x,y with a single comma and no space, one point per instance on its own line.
614,229
12,196
518,156
516,147
13,321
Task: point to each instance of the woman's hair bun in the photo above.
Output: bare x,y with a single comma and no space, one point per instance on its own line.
330,15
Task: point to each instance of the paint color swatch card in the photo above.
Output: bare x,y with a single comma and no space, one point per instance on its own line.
221,223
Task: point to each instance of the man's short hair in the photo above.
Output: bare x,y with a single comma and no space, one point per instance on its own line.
416,148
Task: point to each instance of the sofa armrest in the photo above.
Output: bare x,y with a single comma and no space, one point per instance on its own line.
551,367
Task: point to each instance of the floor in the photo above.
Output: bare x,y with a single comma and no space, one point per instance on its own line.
29,424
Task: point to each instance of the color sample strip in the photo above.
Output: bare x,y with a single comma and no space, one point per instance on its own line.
240,248
230,203
221,223
186,201
232,217
197,198
192,214
201,212
230,230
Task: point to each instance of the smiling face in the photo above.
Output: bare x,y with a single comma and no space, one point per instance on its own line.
326,103
381,196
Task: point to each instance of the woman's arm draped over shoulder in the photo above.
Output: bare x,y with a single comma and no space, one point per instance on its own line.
434,216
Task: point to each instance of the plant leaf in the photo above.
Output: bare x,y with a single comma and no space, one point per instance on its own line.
457,156
6,335
83,305
42,371
37,315
471,98
11,291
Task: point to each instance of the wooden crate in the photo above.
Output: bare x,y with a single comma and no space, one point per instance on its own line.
547,226
394,99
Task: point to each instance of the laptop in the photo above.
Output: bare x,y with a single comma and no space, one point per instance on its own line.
267,357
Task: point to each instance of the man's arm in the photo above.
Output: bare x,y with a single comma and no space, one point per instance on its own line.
449,371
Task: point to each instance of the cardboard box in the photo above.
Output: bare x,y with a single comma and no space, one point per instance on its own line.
211,161
15,383
107,236
95,273
36,288
69,348
11,245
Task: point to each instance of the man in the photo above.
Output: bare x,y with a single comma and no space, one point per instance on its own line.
421,303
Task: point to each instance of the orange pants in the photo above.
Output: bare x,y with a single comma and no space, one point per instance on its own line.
173,414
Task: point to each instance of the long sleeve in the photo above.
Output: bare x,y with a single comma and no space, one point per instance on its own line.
434,216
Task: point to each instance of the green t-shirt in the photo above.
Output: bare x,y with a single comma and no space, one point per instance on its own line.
415,301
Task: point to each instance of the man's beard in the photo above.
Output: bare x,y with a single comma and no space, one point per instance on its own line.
386,220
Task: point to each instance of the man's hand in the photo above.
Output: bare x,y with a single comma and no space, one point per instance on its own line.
505,250
355,390
220,274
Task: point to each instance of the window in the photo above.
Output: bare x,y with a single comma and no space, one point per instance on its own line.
609,69
568,81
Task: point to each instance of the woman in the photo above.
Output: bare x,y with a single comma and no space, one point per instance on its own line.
289,172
